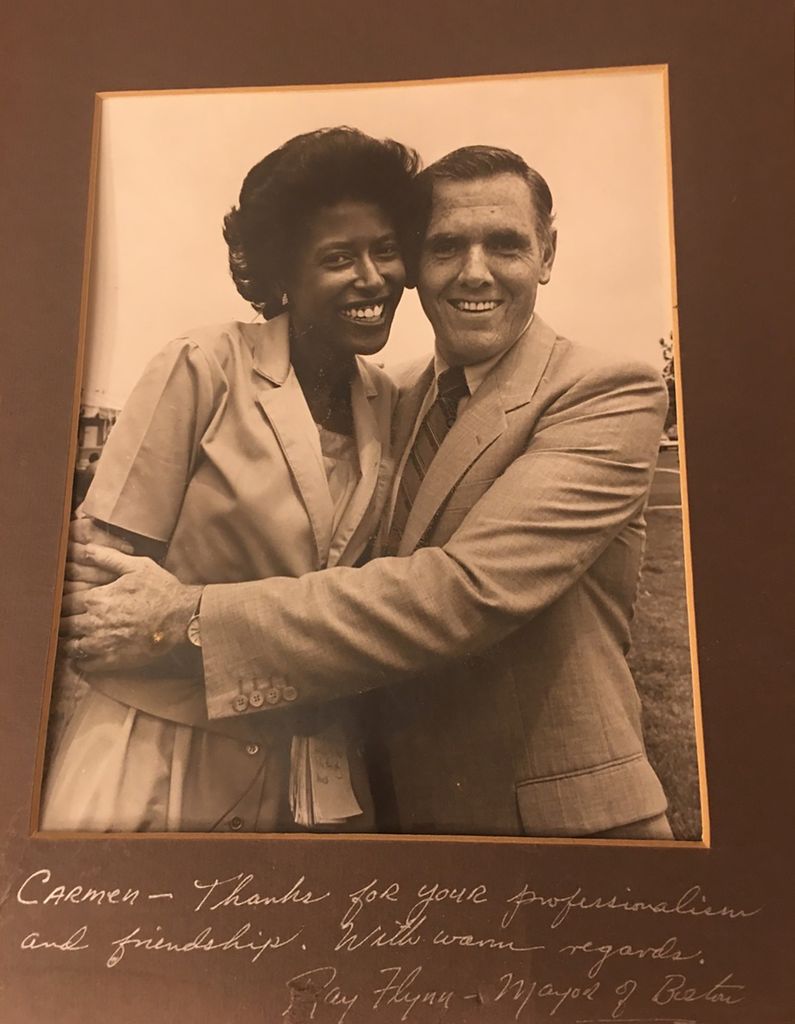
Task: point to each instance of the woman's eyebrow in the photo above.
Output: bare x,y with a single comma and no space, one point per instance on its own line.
348,243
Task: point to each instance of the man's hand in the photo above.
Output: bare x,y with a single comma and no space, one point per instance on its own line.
128,623
80,574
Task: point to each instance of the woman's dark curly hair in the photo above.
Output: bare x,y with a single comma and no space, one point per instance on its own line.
281,194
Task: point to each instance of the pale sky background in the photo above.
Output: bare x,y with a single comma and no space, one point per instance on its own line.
171,166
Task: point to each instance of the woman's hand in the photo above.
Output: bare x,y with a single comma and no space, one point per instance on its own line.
81,574
130,622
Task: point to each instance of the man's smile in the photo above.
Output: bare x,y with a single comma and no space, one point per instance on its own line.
470,306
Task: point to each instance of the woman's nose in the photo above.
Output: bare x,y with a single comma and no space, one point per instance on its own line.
368,275
475,270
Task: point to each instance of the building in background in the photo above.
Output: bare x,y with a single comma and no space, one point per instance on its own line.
93,429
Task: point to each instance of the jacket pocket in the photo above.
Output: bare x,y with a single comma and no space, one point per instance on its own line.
592,799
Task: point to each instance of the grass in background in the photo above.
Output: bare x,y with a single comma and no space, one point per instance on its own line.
660,660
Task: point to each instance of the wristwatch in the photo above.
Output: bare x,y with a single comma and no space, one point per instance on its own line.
194,631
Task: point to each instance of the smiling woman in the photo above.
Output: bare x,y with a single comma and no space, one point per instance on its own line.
246,451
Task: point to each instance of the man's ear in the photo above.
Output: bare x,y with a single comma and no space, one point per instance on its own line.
548,257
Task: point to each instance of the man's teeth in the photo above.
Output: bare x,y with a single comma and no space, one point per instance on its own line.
364,312
475,307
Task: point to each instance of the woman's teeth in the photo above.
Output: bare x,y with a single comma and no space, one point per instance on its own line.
364,312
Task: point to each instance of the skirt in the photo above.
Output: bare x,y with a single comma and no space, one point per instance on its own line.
118,769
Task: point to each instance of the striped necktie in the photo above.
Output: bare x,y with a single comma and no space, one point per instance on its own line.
451,387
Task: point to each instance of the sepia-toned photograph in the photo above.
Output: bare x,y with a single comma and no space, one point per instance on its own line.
379,518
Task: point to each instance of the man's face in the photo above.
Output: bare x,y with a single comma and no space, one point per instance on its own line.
482,261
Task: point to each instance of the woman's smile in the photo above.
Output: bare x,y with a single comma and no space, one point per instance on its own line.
365,314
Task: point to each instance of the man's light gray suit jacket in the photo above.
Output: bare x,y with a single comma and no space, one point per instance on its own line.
499,633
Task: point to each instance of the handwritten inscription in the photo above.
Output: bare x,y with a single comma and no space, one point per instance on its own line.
73,944
667,950
692,903
36,889
245,938
521,991
416,932
236,892
316,989
677,989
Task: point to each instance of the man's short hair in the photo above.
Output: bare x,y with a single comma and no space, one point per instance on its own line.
469,163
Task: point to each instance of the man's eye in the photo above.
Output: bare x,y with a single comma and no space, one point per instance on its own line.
507,246
443,247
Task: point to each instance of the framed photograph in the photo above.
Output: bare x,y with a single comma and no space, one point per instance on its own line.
156,230
441,785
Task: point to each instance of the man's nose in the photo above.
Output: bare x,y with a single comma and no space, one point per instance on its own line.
368,274
475,271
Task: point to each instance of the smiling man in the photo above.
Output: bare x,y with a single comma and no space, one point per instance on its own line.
494,637
488,246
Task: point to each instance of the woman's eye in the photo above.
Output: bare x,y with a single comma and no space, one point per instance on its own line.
337,259
388,251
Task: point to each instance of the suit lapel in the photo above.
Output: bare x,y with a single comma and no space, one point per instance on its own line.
522,369
368,445
511,384
406,415
408,410
480,425
282,401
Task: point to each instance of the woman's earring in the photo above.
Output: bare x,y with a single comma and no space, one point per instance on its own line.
284,299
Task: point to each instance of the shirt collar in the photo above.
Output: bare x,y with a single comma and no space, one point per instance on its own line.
476,373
